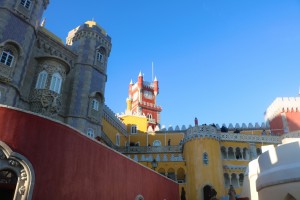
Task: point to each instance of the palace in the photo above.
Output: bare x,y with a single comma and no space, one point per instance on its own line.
59,140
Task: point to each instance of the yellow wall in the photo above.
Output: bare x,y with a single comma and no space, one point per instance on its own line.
200,174
111,132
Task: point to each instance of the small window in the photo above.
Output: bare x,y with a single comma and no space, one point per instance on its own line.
90,133
7,57
41,81
100,57
95,104
205,158
156,143
55,84
133,129
118,139
149,116
26,3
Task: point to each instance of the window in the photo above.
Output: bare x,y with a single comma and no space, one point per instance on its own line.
41,81
205,158
156,143
55,84
118,139
95,104
100,56
7,57
90,133
133,129
26,3
149,116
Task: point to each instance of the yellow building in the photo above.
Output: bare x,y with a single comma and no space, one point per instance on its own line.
201,158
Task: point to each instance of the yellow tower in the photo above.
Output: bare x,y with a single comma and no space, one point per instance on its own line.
203,162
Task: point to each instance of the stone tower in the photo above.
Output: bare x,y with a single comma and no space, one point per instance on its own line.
203,162
19,22
142,100
86,81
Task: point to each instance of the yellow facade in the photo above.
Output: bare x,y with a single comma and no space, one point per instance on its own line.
180,154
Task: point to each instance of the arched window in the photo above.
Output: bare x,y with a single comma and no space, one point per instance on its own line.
7,57
56,82
90,133
238,153
26,3
258,151
118,139
180,175
227,180
133,129
241,179
100,55
205,158
95,104
156,143
171,174
224,152
149,116
42,80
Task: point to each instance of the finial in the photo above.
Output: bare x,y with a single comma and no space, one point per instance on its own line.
43,22
155,79
131,82
140,74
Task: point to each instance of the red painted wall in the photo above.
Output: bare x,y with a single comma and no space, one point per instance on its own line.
293,119
69,166
276,125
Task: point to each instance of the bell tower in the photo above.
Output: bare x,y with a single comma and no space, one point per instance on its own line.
142,100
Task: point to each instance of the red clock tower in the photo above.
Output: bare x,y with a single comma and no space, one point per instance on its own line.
142,100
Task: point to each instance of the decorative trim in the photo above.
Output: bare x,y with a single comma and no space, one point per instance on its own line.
23,169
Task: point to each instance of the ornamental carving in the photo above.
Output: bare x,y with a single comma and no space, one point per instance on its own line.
46,102
16,170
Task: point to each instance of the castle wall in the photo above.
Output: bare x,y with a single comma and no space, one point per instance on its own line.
201,174
60,156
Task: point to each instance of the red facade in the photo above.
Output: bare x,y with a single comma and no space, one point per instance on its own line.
69,165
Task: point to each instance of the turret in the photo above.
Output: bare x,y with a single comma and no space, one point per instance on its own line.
155,84
140,80
18,34
88,77
130,89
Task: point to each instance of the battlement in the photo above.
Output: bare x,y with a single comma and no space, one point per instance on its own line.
282,104
111,117
230,127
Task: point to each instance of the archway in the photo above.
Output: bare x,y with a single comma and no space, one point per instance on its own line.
8,183
208,192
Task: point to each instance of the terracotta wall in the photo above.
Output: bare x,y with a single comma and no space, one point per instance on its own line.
293,119
68,165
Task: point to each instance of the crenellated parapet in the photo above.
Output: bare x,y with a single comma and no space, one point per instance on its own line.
230,127
199,132
282,104
111,117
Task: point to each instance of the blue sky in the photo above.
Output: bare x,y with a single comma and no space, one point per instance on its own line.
220,61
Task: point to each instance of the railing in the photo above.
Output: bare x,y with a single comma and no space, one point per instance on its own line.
250,138
294,134
150,149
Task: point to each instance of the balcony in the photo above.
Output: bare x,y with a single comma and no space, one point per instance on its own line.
150,149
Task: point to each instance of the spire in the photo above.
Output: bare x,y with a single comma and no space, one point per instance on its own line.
140,74
131,82
155,79
43,22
